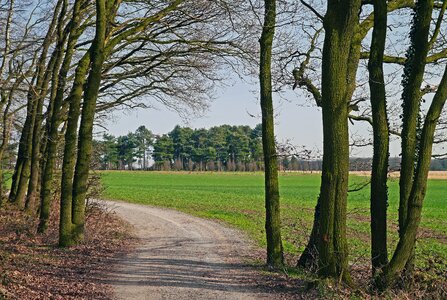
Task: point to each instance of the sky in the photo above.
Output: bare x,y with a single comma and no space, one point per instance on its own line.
234,105
296,121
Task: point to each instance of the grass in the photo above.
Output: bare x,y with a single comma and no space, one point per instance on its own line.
238,199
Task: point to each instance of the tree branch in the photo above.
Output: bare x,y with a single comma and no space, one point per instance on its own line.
313,10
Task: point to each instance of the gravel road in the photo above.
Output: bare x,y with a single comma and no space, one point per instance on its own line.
183,257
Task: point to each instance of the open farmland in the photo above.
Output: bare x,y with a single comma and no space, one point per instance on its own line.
238,199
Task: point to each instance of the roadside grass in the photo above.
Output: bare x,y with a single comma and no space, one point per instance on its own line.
238,199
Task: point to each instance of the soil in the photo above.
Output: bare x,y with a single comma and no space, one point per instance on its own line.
32,267
185,257
431,174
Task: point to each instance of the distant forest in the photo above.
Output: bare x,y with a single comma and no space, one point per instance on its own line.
220,148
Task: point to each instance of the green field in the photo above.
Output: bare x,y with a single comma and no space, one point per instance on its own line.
238,199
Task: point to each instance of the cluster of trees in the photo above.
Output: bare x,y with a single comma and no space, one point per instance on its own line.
65,64
438,165
220,148
295,163
328,72
120,153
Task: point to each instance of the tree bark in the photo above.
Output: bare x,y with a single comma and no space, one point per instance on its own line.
69,160
379,174
340,23
275,257
405,246
55,111
86,125
411,96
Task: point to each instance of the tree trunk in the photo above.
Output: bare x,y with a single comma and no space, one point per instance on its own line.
5,98
20,154
405,247
275,257
413,180
86,125
55,110
379,174
22,167
340,24
50,73
69,161
6,135
411,96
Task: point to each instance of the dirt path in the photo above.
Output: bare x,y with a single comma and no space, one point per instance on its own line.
183,257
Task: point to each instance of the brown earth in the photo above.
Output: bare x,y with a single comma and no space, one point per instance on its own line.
33,267
431,174
184,257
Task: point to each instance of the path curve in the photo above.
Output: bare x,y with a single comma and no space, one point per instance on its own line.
182,257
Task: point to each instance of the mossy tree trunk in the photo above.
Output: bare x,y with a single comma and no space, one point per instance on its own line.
416,152
22,167
379,174
405,246
73,33
273,221
358,31
340,24
50,72
69,160
411,97
86,125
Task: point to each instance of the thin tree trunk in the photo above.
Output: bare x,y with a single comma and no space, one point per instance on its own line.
55,108
33,183
6,134
405,246
20,156
275,257
7,34
379,190
6,128
22,168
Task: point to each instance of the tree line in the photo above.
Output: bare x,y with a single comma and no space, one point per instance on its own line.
220,148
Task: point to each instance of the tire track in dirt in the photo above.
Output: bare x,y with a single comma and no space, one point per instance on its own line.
183,257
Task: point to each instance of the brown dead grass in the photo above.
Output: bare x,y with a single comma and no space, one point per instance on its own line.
431,174
33,267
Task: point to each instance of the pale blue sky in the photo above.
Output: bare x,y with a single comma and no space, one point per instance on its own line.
234,105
